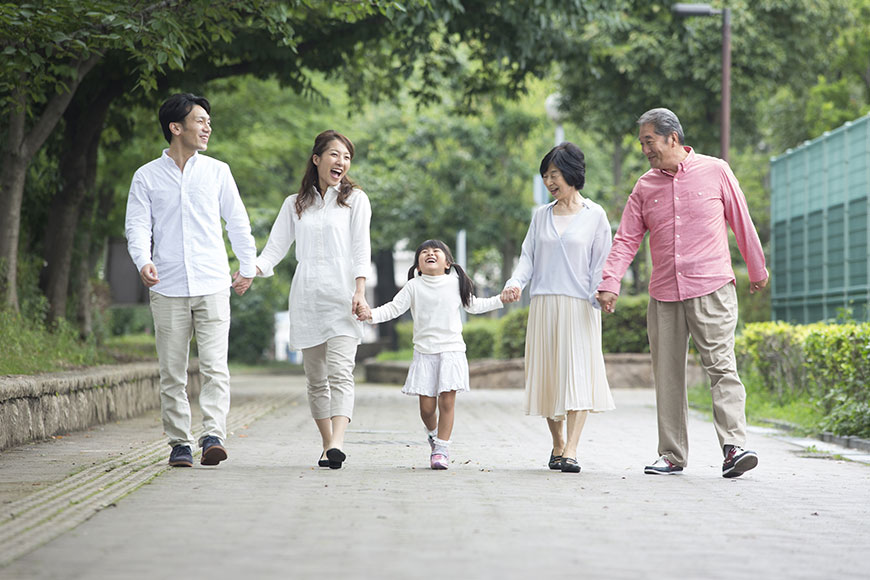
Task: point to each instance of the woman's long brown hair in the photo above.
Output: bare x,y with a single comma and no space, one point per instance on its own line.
310,182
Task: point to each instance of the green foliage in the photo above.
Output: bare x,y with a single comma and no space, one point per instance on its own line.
252,329
480,335
751,307
29,347
838,369
512,339
828,364
132,320
625,329
405,335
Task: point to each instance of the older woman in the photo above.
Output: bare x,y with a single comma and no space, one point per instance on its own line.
562,258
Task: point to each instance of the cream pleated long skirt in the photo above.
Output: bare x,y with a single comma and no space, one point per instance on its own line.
564,362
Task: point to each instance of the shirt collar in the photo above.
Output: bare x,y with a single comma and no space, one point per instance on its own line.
190,162
685,163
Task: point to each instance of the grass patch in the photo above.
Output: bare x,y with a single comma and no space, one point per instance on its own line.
404,354
764,408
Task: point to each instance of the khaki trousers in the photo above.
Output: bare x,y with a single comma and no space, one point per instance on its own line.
329,373
710,320
176,320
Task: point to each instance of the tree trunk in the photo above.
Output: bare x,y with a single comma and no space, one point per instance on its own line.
20,147
12,176
84,118
385,290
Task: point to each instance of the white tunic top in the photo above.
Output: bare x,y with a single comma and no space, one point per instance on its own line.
567,263
333,248
180,213
434,302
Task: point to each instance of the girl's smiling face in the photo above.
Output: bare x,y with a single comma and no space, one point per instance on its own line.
432,262
332,165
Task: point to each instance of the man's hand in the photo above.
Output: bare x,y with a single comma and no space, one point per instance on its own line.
241,284
607,300
364,313
511,294
757,286
148,275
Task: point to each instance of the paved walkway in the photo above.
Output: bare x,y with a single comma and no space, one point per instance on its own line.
103,504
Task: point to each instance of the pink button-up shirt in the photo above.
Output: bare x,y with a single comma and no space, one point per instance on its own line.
687,215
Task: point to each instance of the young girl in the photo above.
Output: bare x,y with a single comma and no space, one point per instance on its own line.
437,288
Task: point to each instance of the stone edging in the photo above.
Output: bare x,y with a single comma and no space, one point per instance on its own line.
35,407
624,370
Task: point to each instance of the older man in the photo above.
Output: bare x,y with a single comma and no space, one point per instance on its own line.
687,201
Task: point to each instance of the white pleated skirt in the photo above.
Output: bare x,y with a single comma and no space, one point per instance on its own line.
564,361
432,374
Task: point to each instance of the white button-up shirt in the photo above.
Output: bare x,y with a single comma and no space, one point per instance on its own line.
567,264
333,248
180,213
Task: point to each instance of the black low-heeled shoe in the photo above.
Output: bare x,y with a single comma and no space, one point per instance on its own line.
555,462
569,465
336,457
323,461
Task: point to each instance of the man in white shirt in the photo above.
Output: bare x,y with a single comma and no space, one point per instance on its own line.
174,236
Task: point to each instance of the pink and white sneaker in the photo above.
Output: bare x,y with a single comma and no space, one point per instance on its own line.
439,460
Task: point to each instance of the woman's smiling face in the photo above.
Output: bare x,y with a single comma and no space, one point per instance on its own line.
332,165
555,182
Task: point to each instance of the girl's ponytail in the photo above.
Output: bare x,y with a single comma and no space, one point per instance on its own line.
466,286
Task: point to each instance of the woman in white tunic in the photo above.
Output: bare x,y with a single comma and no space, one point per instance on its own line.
329,222
562,258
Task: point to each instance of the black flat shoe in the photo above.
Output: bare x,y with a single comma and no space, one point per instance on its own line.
570,465
555,462
335,458
323,461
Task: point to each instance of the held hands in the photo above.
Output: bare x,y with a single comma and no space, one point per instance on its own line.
360,308
148,275
241,284
607,300
511,294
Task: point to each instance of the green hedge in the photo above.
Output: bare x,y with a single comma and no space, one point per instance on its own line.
828,364
625,329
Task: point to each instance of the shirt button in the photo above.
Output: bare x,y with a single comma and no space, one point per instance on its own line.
680,273
677,198
678,235
678,217
655,201
678,255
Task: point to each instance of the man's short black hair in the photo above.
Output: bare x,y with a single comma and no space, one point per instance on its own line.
176,108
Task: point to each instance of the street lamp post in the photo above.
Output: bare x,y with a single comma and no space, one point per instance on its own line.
707,10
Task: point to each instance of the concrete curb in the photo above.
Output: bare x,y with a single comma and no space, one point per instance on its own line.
624,370
34,407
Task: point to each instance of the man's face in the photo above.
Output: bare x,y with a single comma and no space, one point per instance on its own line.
194,130
662,152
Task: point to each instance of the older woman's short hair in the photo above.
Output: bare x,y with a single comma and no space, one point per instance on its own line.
664,122
570,161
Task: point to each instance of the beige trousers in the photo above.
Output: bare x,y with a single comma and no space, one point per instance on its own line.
329,373
176,320
710,320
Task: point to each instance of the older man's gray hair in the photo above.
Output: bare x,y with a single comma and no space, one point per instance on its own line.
664,122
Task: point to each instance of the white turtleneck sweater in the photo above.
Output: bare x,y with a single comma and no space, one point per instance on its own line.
434,302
